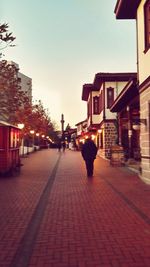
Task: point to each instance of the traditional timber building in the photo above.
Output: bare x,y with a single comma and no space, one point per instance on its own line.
100,96
140,11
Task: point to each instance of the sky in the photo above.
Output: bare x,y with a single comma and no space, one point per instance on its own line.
62,44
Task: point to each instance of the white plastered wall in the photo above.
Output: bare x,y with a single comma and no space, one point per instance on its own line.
144,73
143,58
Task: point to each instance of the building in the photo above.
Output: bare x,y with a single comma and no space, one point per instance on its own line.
140,11
25,81
81,132
128,117
11,83
26,85
100,96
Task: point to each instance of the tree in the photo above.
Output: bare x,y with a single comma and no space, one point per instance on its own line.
6,37
15,106
12,98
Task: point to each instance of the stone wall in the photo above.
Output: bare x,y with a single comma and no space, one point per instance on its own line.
145,135
110,136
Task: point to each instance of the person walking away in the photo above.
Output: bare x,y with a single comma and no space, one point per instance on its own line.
59,146
64,146
89,152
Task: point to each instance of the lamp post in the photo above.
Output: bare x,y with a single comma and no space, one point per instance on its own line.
21,126
129,131
32,132
37,135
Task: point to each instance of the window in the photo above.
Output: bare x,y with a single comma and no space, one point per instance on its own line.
100,102
110,96
96,105
147,24
14,138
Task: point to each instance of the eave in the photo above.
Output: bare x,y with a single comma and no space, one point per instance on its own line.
126,9
129,92
87,88
81,122
112,77
4,123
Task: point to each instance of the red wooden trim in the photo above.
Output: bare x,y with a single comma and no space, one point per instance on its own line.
104,115
144,85
147,25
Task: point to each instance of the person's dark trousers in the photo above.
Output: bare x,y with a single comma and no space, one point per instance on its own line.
89,167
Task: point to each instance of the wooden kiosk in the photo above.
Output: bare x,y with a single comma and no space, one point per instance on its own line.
9,147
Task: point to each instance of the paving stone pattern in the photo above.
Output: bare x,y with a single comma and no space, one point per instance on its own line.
52,215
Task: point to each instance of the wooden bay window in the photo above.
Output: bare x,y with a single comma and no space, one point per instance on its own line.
110,96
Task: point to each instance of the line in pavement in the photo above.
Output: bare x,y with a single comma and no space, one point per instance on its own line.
129,202
24,252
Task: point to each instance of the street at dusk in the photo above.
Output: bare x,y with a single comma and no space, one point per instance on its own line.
75,133
52,215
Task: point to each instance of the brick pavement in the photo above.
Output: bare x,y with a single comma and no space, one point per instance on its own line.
19,196
74,221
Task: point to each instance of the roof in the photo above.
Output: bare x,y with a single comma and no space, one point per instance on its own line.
105,77
126,9
129,92
81,122
87,88
112,77
4,123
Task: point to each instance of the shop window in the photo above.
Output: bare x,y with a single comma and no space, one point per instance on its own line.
14,138
96,105
110,96
147,24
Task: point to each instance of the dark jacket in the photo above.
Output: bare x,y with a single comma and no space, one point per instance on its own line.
89,150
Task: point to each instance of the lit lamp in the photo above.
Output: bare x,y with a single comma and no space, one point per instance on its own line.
136,127
21,126
93,136
129,135
100,131
32,132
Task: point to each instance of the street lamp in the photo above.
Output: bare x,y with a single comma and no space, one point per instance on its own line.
37,134
32,132
21,126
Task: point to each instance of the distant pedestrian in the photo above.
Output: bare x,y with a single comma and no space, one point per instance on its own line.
64,146
59,146
89,151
